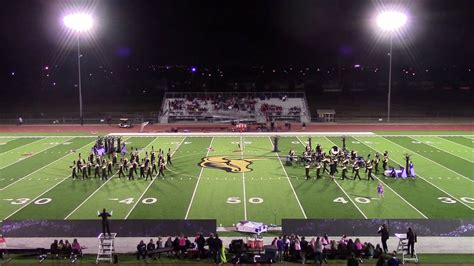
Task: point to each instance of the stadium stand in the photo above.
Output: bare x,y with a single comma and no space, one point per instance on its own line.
228,107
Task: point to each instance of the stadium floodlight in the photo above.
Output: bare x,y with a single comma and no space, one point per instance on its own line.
391,21
79,22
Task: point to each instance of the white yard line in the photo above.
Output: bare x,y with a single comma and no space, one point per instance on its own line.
459,144
401,163
289,181
430,160
343,191
37,170
197,183
424,216
36,153
46,190
33,200
151,183
95,191
243,176
22,146
340,187
467,159
90,196
441,149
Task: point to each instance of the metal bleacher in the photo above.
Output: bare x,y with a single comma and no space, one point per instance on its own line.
226,107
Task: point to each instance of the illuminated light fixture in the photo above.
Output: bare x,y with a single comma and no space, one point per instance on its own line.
391,20
78,22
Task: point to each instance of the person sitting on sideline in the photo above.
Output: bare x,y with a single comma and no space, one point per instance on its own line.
352,260
141,250
54,248
377,251
150,247
76,248
393,261
67,248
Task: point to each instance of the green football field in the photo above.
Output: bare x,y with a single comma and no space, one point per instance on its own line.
211,178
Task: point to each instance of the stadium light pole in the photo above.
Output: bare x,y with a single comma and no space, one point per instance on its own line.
390,21
79,23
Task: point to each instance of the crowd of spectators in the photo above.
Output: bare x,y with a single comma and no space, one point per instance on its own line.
181,247
320,249
291,248
65,249
271,109
215,103
295,110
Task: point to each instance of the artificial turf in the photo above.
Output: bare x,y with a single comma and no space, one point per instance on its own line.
35,180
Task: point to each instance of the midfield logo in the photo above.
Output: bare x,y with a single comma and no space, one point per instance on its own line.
226,164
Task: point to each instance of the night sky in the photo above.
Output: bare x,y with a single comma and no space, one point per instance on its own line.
236,32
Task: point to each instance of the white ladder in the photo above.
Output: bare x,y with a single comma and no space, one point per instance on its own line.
403,249
106,247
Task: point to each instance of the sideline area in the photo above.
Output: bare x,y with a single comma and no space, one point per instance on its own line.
425,245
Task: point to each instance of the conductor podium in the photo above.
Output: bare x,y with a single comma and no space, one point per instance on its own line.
402,248
106,247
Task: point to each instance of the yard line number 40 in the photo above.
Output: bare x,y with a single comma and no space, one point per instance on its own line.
43,201
446,200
